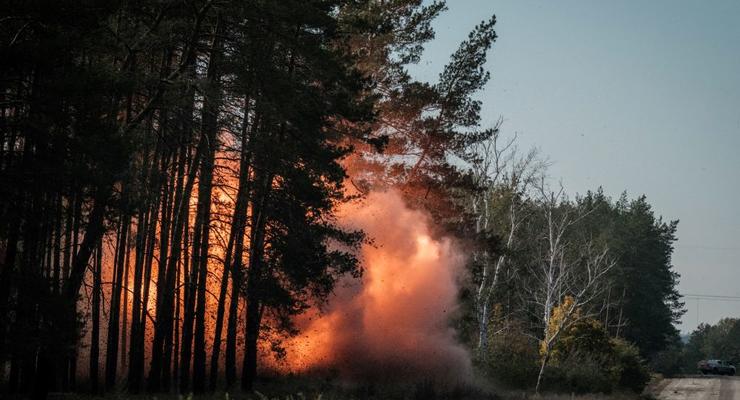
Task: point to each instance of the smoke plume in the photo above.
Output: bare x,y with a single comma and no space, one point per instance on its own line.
394,323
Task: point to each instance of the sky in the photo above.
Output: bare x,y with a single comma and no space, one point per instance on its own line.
634,96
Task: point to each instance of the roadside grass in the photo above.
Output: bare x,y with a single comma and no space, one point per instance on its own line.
381,393
395,392
313,388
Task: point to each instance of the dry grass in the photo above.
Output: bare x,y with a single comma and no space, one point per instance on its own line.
301,388
459,393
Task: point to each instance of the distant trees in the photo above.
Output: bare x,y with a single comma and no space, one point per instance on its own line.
617,231
719,341
706,342
645,303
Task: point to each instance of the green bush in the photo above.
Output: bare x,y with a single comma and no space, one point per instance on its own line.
629,367
620,369
586,338
669,362
584,360
579,373
594,362
512,360
581,360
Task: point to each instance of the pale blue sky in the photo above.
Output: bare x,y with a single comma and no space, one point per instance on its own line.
630,95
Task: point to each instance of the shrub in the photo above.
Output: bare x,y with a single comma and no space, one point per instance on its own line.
669,362
512,360
584,360
579,373
629,367
585,337
587,360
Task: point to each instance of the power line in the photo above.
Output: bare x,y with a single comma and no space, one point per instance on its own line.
708,297
698,246
711,297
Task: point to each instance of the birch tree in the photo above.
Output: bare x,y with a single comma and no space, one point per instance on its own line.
567,276
505,178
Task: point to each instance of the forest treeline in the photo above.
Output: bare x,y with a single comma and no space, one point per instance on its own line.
706,342
574,295
170,171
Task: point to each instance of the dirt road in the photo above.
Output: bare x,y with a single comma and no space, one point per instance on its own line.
701,388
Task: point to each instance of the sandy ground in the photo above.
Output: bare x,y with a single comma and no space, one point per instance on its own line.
701,388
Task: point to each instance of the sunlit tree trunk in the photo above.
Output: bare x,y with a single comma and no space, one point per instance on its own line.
155,369
160,365
145,234
232,262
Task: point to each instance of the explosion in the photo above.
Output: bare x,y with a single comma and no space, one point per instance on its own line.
394,322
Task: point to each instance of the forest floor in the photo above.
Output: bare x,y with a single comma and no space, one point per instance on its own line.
304,388
346,396
371,392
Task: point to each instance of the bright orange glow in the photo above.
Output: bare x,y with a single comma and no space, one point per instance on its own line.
394,323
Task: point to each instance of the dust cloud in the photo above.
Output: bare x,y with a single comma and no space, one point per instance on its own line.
394,323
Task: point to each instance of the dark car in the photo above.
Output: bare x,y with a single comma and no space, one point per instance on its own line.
716,367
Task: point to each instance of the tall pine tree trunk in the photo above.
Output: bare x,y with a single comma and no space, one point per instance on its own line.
234,258
124,303
95,334
254,278
216,350
209,128
145,233
164,323
111,358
